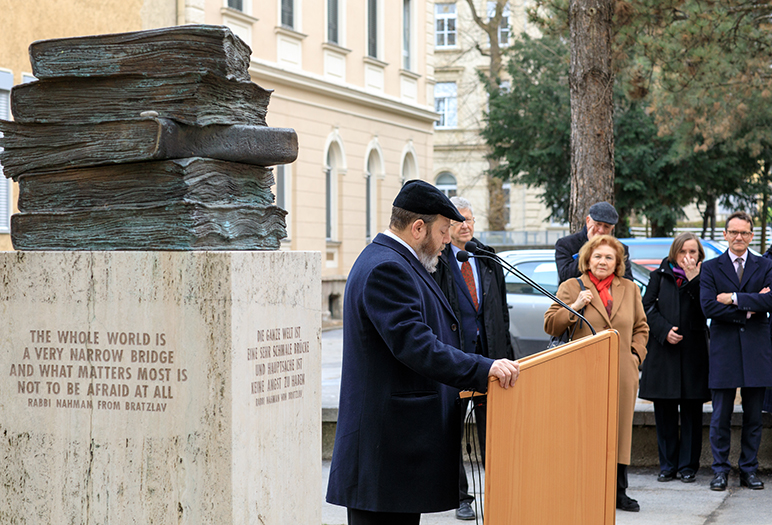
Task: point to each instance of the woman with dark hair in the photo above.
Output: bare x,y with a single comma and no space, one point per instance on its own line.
676,370
611,301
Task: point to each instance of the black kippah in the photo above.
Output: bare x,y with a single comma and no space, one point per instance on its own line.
423,198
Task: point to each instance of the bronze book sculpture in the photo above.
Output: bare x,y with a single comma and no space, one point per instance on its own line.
153,140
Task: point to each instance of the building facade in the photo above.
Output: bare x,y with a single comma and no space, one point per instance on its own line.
460,165
355,79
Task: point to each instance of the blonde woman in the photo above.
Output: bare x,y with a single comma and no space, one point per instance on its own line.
610,301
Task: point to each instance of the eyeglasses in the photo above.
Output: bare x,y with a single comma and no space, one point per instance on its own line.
735,233
467,221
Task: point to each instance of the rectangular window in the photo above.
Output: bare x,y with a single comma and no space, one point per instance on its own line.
504,25
445,25
332,21
372,28
236,4
406,23
288,13
445,103
6,206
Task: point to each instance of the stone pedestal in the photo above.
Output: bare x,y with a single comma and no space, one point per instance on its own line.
160,387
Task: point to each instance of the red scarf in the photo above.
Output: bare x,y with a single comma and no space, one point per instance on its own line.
603,290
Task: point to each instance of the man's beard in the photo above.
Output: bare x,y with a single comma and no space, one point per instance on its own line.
428,255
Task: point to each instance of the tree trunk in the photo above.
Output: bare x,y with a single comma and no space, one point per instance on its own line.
763,212
763,221
497,220
709,218
592,111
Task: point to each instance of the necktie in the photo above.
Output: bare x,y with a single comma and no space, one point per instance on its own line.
740,270
466,272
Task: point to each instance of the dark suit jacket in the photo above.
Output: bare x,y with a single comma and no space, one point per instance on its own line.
398,434
494,313
568,246
740,348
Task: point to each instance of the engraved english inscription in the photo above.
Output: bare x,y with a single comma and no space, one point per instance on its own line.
130,371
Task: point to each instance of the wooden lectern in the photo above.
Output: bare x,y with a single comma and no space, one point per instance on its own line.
552,438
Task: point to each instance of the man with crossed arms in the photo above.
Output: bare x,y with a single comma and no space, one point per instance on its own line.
734,295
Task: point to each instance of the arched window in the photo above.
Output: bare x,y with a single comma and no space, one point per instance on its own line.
446,183
409,165
374,171
330,190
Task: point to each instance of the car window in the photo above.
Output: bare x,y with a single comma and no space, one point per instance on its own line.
648,251
711,251
544,273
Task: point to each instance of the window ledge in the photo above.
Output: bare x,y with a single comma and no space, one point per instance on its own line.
238,15
375,62
451,70
331,46
286,31
409,74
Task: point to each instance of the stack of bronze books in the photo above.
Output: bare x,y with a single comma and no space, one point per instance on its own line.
152,140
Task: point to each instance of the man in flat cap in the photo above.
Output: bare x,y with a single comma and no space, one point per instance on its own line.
600,221
398,433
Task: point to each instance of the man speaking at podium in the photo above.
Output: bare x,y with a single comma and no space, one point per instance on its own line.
476,291
398,434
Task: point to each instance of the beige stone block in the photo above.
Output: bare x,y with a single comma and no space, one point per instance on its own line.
160,387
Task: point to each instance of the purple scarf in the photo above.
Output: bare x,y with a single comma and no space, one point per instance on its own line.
679,273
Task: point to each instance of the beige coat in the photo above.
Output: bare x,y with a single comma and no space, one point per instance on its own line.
627,318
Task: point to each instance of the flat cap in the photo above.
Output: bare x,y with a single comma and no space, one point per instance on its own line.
423,198
604,212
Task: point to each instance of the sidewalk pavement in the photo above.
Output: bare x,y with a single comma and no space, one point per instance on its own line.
668,503
671,503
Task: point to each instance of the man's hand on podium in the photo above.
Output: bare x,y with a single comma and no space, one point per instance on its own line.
505,371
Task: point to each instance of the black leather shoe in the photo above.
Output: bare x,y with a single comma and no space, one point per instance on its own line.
719,481
626,503
465,511
666,476
688,477
751,480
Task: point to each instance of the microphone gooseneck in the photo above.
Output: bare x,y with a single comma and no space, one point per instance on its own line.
473,248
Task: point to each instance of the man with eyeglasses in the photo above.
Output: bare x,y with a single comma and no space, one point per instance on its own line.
734,295
600,220
476,291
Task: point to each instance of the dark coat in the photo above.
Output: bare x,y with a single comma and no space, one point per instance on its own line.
494,310
566,248
398,439
740,347
674,371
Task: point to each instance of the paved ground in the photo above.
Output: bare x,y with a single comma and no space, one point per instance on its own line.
672,503
661,503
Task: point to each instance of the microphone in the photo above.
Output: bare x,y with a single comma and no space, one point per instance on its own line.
473,248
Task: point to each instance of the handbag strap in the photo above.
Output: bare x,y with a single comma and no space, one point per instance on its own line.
581,285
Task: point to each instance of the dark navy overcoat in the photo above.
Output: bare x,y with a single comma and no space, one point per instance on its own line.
398,433
740,347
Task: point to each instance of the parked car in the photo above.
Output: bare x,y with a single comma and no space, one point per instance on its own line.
527,305
649,252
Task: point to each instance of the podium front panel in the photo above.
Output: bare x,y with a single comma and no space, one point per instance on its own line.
552,438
